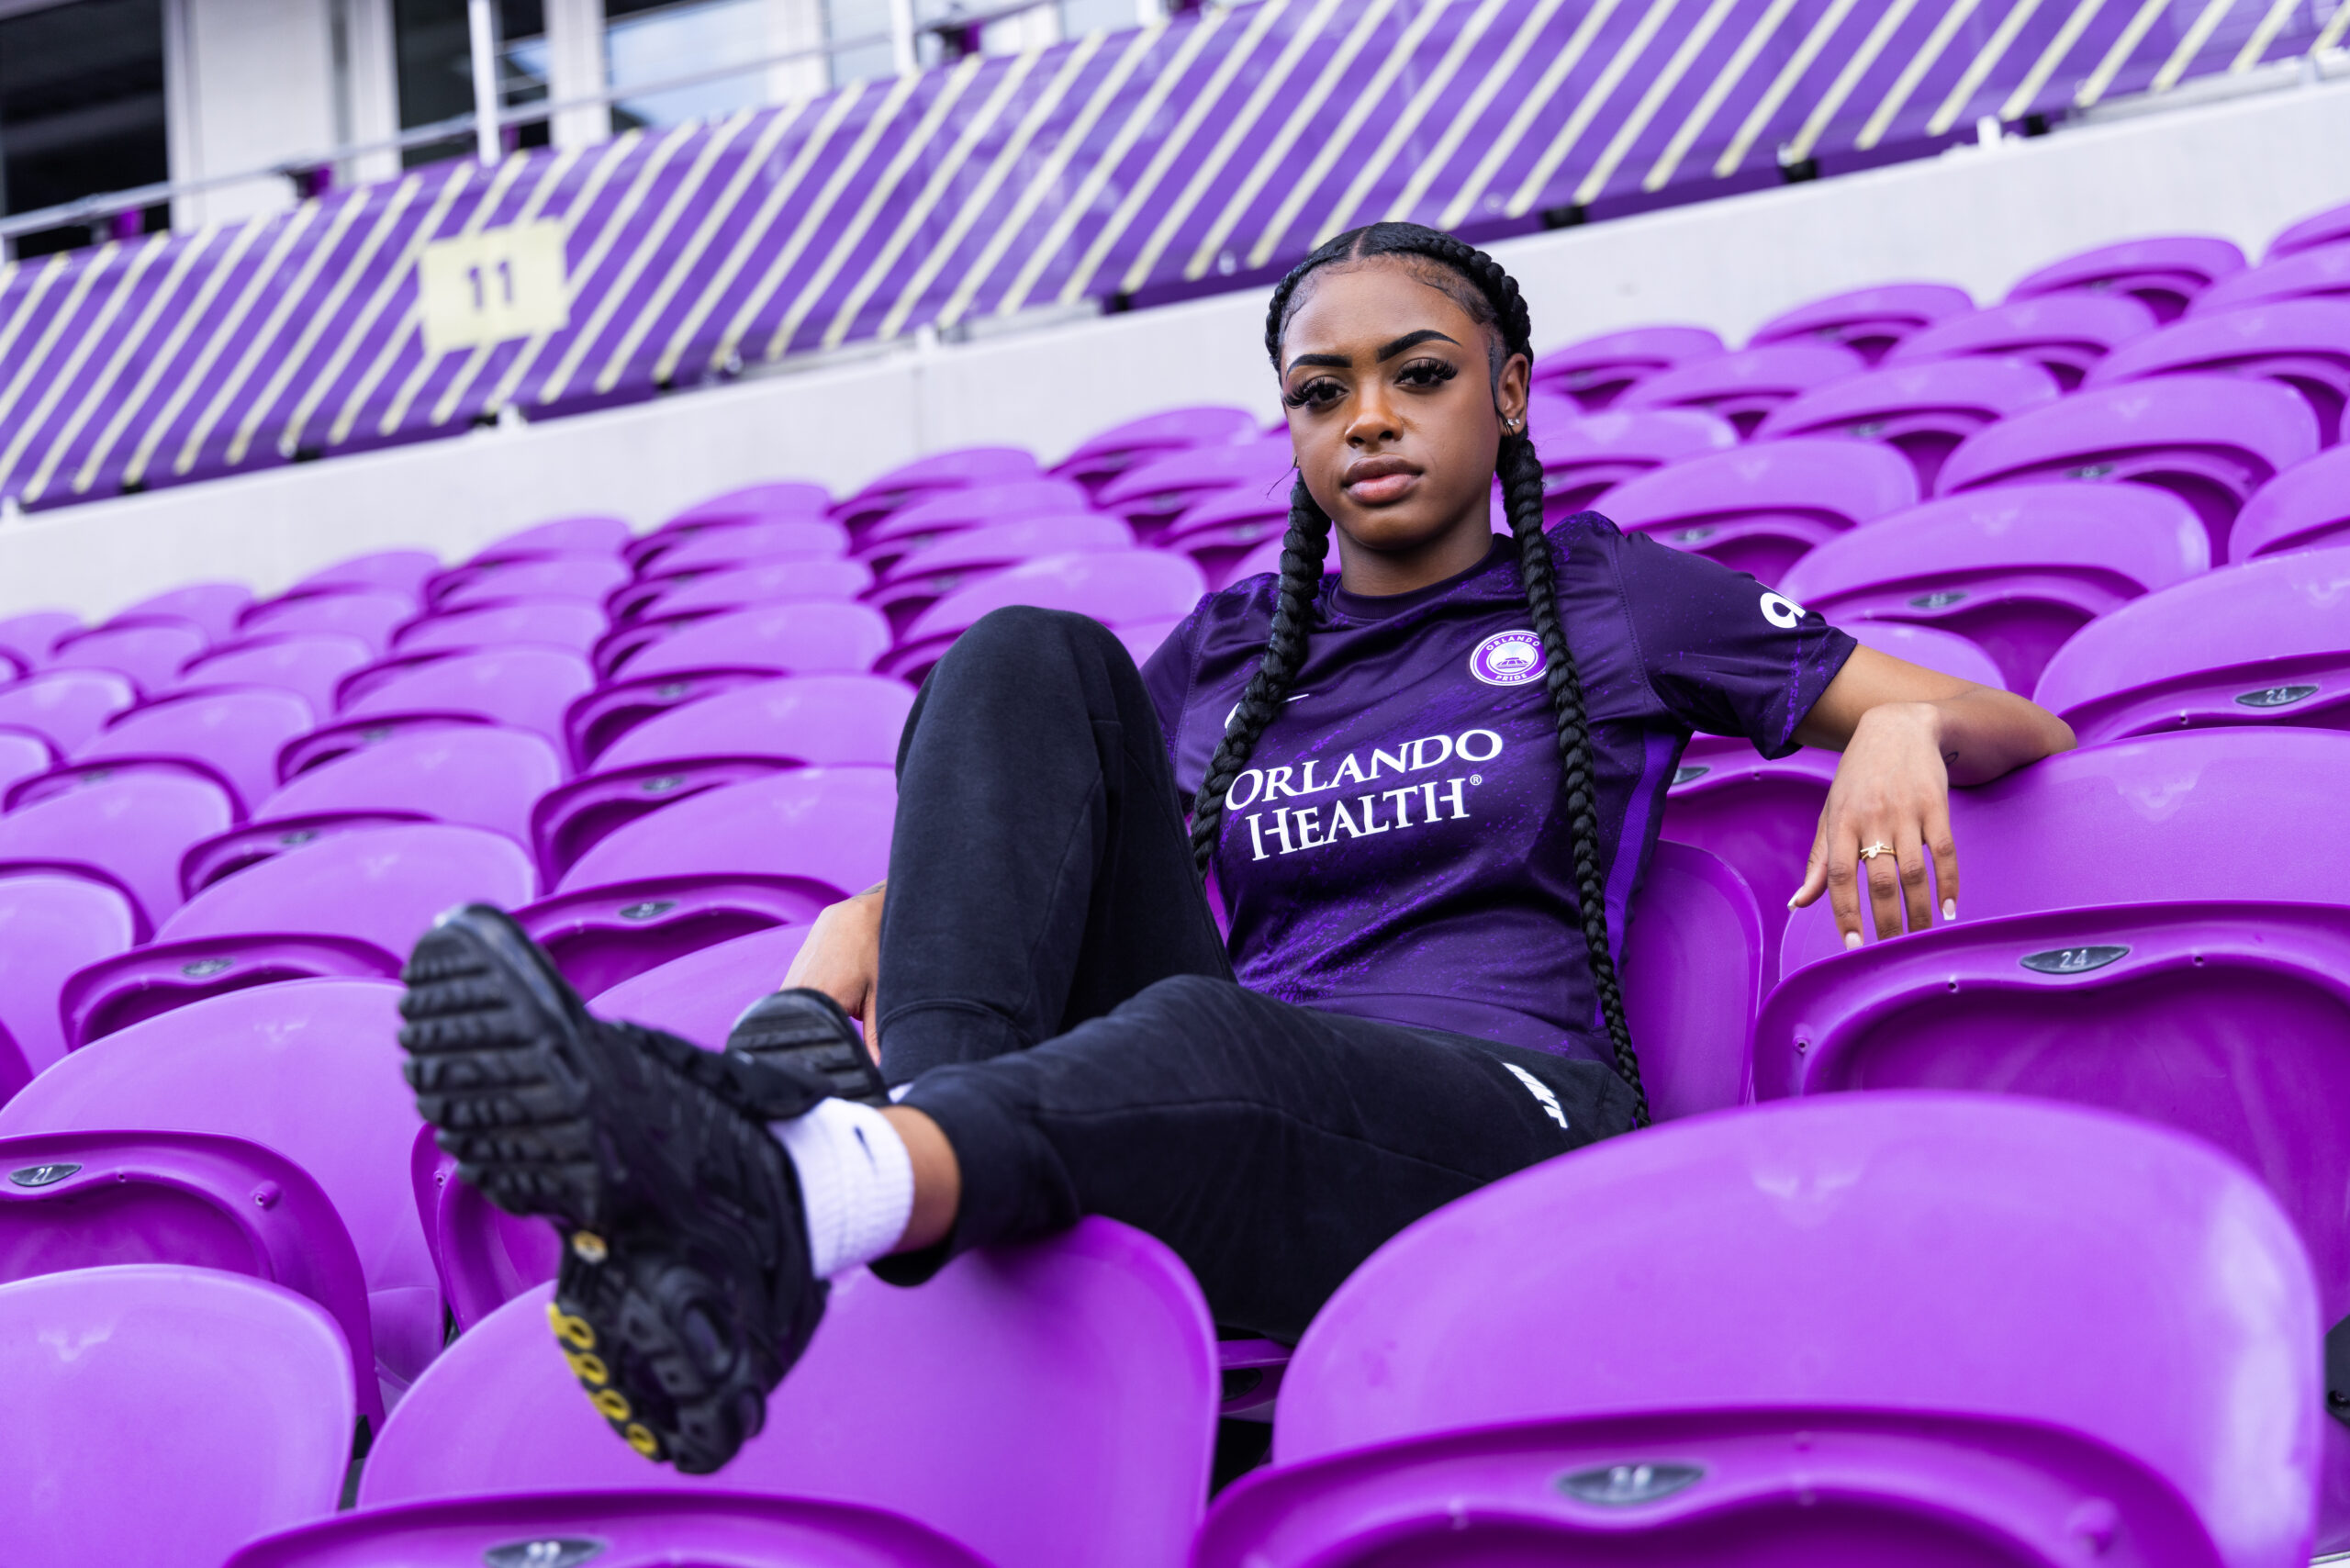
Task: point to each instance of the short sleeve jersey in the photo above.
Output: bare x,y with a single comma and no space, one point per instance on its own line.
1399,846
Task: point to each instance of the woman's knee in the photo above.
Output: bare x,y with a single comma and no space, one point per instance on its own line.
1027,634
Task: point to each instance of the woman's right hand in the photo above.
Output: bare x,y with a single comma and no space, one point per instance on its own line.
842,957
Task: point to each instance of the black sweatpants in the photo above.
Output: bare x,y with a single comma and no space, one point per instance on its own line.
1055,990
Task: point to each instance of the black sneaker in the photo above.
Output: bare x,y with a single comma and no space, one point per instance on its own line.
685,1292
808,1031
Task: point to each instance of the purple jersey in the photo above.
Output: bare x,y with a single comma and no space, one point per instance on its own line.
1397,848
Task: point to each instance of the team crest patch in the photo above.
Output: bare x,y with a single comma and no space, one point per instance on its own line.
1508,658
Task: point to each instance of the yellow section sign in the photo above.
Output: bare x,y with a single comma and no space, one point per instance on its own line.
489,287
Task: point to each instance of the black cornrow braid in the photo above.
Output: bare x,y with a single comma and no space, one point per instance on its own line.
1496,302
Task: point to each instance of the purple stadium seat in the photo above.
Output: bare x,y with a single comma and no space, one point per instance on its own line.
1881,1329
753,503
1104,456
570,625
716,547
309,1068
368,614
2015,570
1596,371
962,468
2303,343
699,997
24,753
1760,507
1220,529
773,850
564,536
128,831
214,607
1870,322
1151,494
1744,387
718,588
1583,461
82,1200
2064,334
345,904
234,732
2164,274
482,1256
799,637
939,565
66,706
2306,506
915,523
2331,227
584,577
28,637
12,667
522,685
50,926
1693,977
482,776
791,722
1922,410
2210,440
625,1530
1758,817
1266,558
308,664
2266,641
162,1415
1116,588
996,1404
2320,272
404,570
149,652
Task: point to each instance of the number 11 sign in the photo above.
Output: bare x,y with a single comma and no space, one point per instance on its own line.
489,287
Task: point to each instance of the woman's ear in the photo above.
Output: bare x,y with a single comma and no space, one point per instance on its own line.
1510,391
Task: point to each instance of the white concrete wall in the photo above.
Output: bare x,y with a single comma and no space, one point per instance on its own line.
1977,218
253,84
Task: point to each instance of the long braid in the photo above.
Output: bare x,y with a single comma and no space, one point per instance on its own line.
1493,297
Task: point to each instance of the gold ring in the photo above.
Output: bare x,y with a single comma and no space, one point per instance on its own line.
1873,851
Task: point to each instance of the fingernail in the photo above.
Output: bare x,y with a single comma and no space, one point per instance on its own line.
1791,904
1851,940
1950,909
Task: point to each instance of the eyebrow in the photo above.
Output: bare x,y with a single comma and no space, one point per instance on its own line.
1386,350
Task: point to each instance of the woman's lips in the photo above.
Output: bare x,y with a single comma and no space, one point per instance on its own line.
1379,481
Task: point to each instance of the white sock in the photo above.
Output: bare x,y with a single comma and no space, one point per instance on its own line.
857,1182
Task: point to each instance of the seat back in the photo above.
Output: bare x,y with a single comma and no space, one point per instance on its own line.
1744,387
1587,458
996,1404
828,825
568,623
149,652
719,588
1693,977
50,927
1114,586
236,731
308,664
66,706
2306,506
2165,273
83,1200
957,468
28,637
1597,372
1149,494
129,830
2321,271
308,1069
2263,643
2064,334
526,687
787,499
482,1256
1879,1328
1111,452
1759,509
2015,570
800,637
2210,439
1921,411
950,511
562,536
587,578
367,613
2328,228
403,569
1872,323
2303,344
159,1415
717,546
699,997
24,754
214,607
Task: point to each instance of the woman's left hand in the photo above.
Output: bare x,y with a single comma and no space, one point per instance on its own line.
1891,789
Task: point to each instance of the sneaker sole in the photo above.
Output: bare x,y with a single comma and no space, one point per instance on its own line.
808,1030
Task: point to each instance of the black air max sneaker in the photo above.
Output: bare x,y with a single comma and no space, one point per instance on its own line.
806,1030
685,1292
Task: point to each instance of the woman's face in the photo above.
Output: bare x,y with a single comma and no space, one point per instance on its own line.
1392,400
